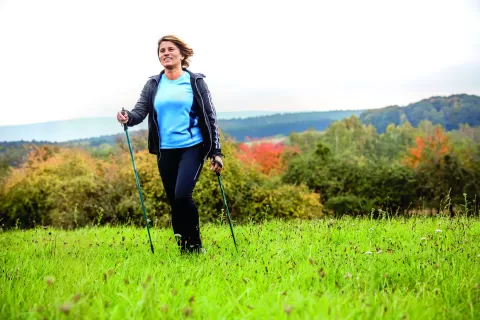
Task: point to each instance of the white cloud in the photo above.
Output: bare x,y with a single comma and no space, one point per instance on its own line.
68,59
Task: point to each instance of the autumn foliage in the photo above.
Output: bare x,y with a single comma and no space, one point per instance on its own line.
68,187
429,149
267,156
348,169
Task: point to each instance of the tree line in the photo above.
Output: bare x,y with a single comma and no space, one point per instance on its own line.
449,112
355,169
349,168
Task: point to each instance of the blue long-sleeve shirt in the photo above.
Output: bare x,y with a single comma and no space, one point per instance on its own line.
177,122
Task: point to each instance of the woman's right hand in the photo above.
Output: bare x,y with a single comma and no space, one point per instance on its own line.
122,118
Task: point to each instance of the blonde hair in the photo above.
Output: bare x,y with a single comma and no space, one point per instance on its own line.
185,50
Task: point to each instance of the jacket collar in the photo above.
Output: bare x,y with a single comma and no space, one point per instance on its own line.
193,75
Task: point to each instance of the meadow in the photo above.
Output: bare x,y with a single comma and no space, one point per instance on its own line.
350,268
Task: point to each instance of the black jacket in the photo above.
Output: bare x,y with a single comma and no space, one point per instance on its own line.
202,104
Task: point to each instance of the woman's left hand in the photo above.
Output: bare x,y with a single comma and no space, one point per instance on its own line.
217,164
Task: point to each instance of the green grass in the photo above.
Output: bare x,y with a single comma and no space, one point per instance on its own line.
297,269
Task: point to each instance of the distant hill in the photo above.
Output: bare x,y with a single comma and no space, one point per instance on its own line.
282,124
66,133
448,111
239,125
66,130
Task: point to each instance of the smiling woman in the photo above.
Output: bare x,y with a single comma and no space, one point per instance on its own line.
172,51
183,133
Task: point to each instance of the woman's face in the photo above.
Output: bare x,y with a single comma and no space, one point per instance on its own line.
169,54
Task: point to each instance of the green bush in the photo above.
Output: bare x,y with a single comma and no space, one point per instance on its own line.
69,188
349,204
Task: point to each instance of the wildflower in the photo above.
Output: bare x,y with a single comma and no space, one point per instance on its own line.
379,251
65,308
348,275
368,252
371,229
321,272
187,311
288,309
438,231
76,297
423,238
50,280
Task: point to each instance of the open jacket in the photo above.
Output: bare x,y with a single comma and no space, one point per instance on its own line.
202,105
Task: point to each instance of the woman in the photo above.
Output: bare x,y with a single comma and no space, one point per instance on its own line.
182,132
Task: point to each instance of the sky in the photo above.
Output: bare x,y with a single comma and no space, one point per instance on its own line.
77,59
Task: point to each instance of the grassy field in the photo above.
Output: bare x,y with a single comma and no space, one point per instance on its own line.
422,268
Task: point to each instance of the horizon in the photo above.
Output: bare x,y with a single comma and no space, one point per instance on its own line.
260,112
95,127
341,55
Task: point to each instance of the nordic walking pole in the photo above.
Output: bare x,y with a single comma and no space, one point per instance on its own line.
138,181
226,206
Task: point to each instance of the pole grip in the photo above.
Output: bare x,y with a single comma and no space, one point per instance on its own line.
124,124
219,163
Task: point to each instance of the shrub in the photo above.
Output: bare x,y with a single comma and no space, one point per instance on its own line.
348,204
69,188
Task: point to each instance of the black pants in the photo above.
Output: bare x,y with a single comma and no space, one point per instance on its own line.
179,170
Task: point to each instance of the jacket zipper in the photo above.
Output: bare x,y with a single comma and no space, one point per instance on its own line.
206,120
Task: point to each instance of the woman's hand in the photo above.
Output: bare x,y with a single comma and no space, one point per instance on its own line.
122,118
216,164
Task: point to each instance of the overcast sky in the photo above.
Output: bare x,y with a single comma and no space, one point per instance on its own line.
68,59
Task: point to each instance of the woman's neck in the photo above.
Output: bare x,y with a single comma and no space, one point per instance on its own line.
173,74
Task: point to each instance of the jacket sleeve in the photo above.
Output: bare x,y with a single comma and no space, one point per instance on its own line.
140,111
212,118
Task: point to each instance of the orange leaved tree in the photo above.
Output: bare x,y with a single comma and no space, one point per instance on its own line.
429,149
268,156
